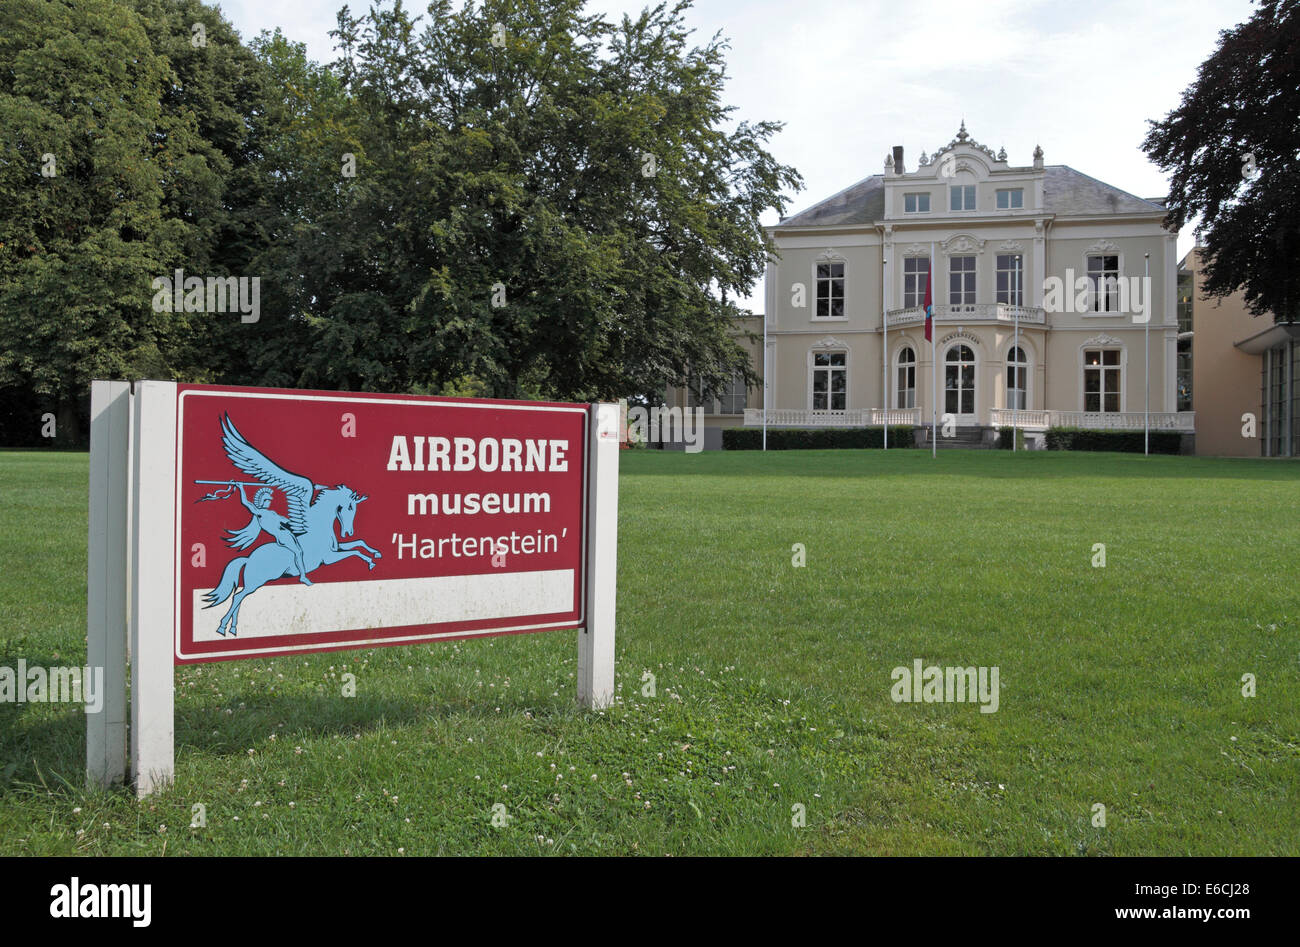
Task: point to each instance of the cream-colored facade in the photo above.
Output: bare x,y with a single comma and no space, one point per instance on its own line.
845,320
1245,374
1225,380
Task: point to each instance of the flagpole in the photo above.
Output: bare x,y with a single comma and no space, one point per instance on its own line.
1015,403
884,348
1146,335
934,367
765,380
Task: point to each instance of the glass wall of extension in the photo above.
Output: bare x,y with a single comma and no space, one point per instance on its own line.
1281,421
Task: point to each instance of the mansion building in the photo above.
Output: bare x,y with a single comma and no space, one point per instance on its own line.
1037,319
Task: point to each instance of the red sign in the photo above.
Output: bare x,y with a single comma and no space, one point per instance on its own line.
317,521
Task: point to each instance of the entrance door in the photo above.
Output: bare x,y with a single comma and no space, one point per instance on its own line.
959,384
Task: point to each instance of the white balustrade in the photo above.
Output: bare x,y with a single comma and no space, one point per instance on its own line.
969,312
998,417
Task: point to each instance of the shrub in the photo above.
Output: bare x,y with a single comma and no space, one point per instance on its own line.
750,438
1004,438
1075,438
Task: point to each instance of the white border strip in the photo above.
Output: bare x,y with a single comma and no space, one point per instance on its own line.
334,607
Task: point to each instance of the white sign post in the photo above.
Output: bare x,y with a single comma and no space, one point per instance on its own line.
596,640
153,592
107,551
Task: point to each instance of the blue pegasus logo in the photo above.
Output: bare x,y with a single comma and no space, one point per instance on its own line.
303,541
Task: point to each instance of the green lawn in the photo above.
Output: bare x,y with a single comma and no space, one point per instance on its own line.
1119,685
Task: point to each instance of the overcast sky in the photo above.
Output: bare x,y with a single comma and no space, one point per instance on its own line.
851,78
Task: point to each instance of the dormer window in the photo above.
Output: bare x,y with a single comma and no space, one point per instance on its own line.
916,203
961,197
1011,198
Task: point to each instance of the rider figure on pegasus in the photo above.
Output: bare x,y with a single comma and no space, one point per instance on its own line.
266,519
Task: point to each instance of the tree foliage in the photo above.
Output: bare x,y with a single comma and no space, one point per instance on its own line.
82,230
578,171
125,156
509,198
1242,113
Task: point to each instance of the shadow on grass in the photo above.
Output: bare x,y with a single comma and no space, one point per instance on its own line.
49,754
298,717
40,743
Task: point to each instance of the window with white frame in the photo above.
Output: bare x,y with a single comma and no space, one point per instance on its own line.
1011,198
830,290
1017,378
1103,282
830,381
733,397
905,391
1101,380
961,280
1011,279
961,197
730,400
916,270
918,203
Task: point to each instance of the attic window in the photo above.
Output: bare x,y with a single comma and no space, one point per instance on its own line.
1010,198
916,203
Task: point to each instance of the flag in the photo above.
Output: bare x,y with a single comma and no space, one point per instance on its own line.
929,309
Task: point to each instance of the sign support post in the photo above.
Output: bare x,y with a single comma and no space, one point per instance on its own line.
153,603
106,578
596,639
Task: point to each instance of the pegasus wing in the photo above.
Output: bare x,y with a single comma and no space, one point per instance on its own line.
243,538
250,460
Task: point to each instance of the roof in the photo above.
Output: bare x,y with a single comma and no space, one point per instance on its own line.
1066,193
1071,193
861,203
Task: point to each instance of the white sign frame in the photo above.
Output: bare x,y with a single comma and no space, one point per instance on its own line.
132,535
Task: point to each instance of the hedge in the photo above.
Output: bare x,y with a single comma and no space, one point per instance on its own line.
1075,438
1004,438
749,438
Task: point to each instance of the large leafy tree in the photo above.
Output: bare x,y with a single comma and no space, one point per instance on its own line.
129,150
213,115
544,203
81,231
1233,150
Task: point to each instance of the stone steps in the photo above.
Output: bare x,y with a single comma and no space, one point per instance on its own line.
964,438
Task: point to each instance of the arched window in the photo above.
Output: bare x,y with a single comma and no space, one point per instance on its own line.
959,380
1017,378
906,387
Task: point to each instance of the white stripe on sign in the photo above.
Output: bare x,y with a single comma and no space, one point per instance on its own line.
389,603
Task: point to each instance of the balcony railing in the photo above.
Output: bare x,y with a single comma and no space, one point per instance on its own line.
998,417
894,416
969,312
1003,417
857,417
1095,420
